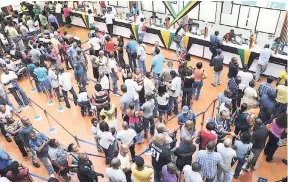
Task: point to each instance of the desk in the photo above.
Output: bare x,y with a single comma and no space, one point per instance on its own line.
196,45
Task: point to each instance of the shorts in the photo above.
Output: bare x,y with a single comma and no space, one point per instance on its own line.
45,84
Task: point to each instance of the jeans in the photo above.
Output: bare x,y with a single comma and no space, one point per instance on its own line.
157,176
10,103
173,101
187,95
108,154
81,77
259,70
121,59
72,91
59,17
33,155
237,130
271,147
20,145
213,51
132,60
256,153
97,140
197,88
57,92
141,36
217,77
146,124
110,29
241,162
179,47
45,160
114,82
16,96
142,66
227,175
156,80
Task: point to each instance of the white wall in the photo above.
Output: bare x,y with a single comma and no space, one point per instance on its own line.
231,19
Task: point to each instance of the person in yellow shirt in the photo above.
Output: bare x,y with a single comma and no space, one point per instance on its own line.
109,114
141,172
283,76
282,95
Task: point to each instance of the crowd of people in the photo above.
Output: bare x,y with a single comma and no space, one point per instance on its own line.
148,98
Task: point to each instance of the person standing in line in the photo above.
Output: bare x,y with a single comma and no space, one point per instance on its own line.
142,29
113,73
233,86
140,171
131,48
120,51
148,118
161,155
192,173
53,21
24,134
35,54
186,115
157,66
141,56
5,161
227,155
215,43
9,79
66,12
266,87
43,19
267,106
80,68
162,102
199,76
95,43
246,77
125,100
106,141
12,127
39,142
165,73
156,46
4,99
184,153
188,88
169,173
217,63
278,131
66,85
250,96
124,158
263,61
42,77
86,171
259,136
115,173
58,12
175,90
109,18
133,88
127,137
241,146
233,68
282,96
54,81
206,136
209,161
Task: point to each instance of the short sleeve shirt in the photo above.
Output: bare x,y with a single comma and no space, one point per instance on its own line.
8,112
175,87
141,176
58,154
35,144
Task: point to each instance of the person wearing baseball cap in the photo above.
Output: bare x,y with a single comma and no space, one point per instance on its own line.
186,115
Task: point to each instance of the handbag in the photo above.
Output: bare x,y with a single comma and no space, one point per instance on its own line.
177,39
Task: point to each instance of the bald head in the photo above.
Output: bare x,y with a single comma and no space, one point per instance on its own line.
189,124
125,125
161,128
227,142
160,138
211,145
82,156
171,167
115,163
187,140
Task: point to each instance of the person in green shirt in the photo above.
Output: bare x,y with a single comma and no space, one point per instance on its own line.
36,11
43,19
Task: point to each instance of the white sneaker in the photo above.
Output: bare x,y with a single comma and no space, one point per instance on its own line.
52,176
117,95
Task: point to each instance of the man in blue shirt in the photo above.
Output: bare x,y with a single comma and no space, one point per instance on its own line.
39,143
131,48
42,77
267,105
72,52
5,161
157,66
186,115
215,44
135,10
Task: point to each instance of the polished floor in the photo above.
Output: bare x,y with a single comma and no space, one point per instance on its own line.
80,126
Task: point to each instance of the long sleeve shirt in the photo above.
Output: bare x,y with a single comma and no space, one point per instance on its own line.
52,18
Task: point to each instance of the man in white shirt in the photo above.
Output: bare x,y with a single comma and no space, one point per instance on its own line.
149,86
192,174
53,79
35,54
175,90
109,17
58,12
5,110
245,76
95,43
115,173
104,81
141,56
133,88
262,62
128,136
124,158
9,79
227,155
66,85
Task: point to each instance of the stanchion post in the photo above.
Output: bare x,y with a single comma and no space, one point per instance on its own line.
51,129
77,142
213,108
36,117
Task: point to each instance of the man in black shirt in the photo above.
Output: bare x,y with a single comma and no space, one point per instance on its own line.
233,68
86,171
160,155
184,153
259,136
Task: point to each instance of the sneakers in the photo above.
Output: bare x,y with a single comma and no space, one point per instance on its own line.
213,84
36,164
235,177
8,139
253,168
52,176
246,169
117,95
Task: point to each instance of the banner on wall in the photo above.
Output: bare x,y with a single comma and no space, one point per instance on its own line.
244,55
85,19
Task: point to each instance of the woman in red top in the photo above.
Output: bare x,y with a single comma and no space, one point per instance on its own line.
110,47
206,136
18,173
66,12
